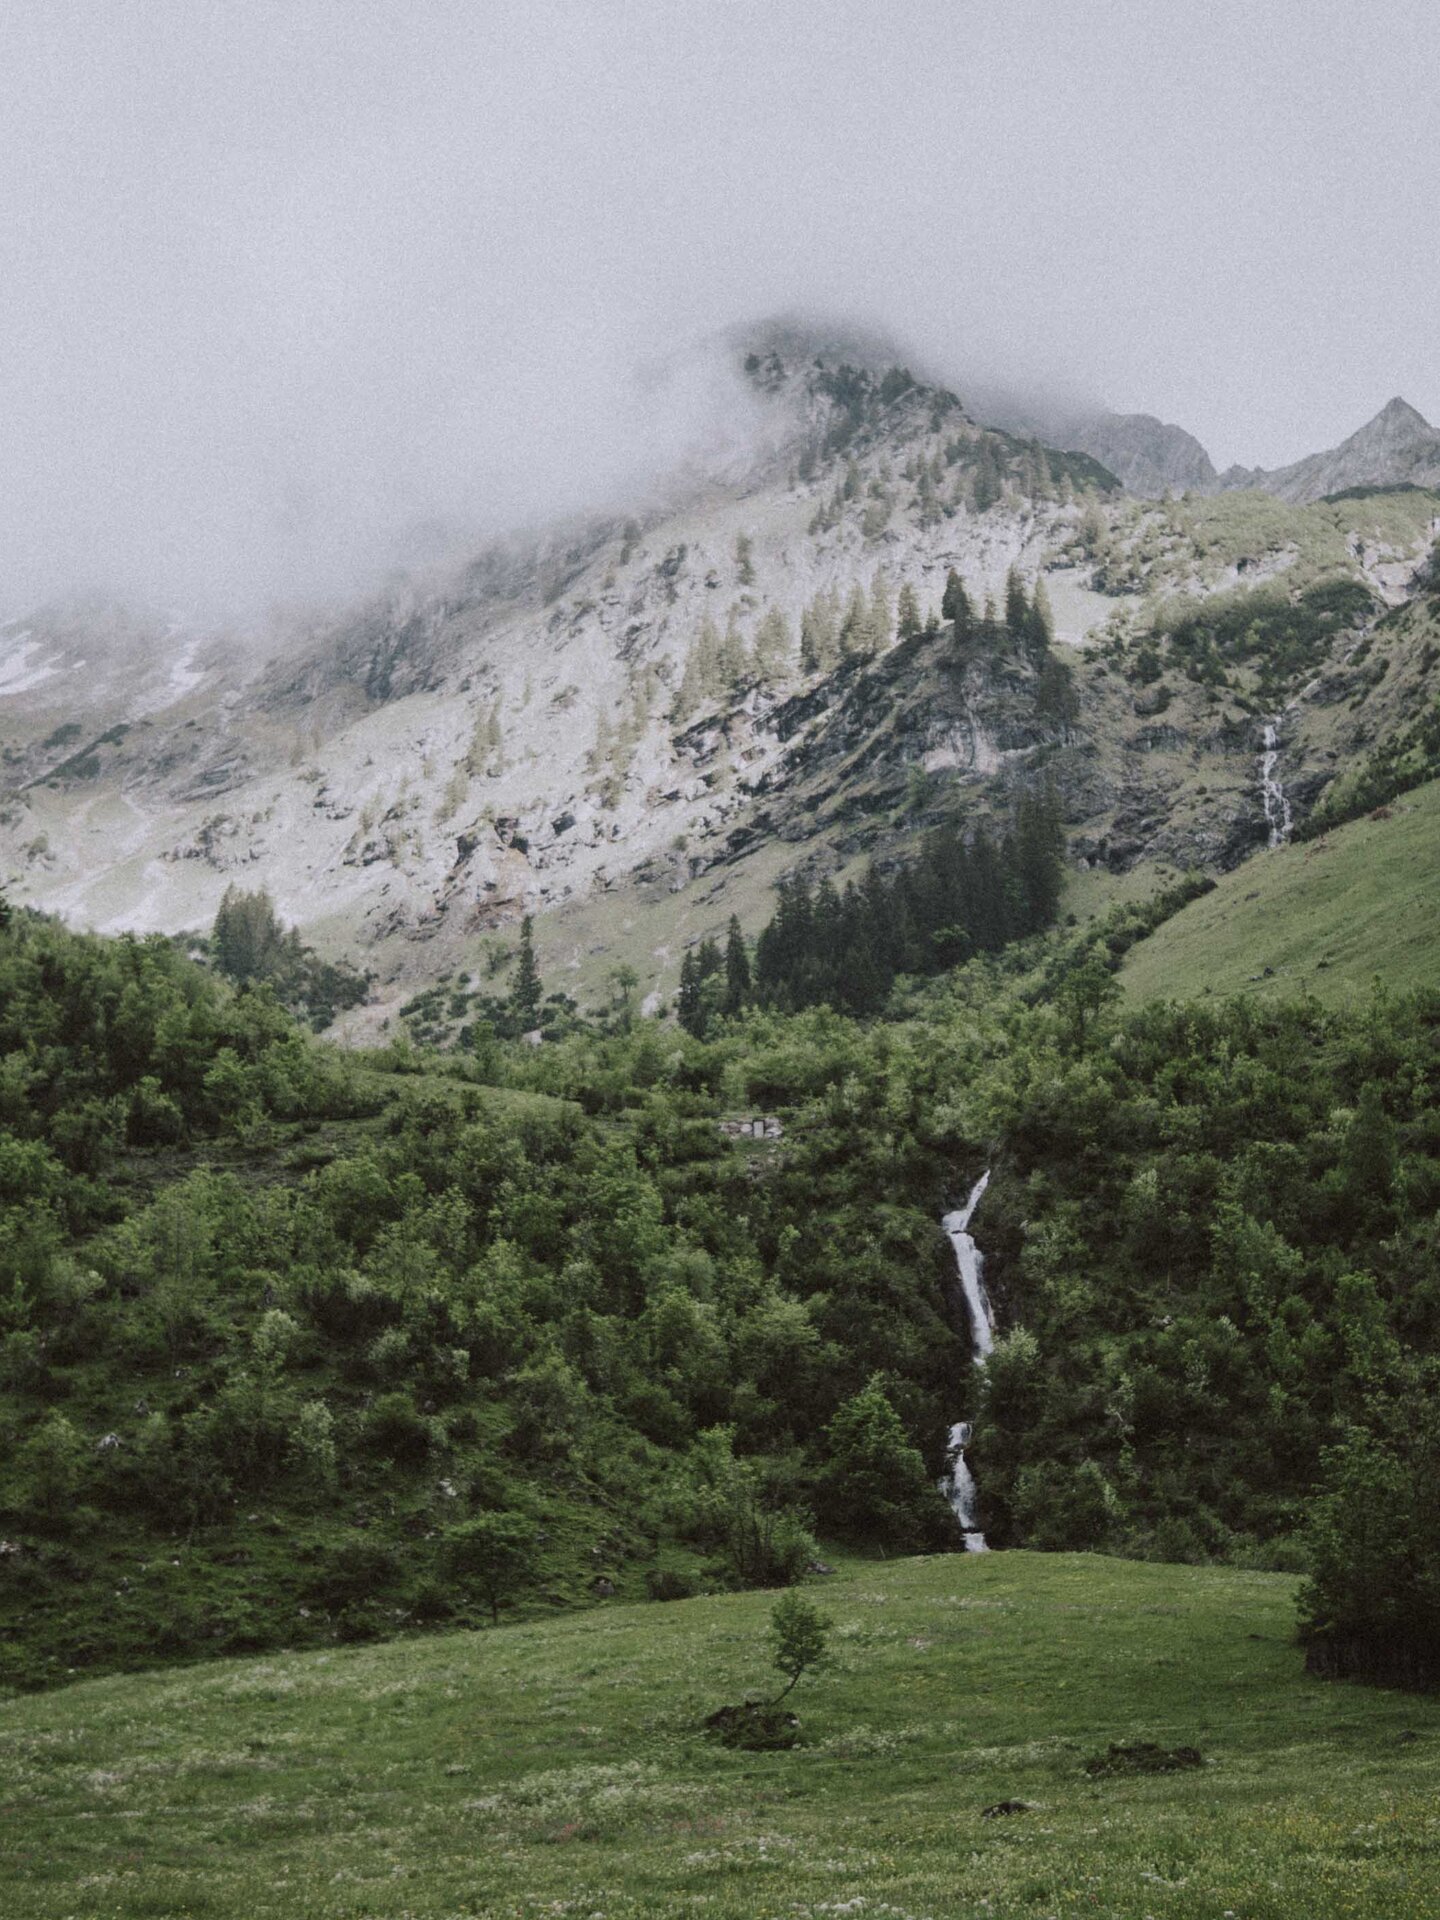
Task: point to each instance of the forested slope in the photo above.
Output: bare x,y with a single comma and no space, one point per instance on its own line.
300,1345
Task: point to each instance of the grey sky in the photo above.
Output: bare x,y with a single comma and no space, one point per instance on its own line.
277,276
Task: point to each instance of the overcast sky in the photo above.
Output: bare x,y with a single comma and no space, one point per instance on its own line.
279,276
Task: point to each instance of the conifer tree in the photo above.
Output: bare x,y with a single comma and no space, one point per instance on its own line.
708,658
820,634
737,968
525,989
733,664
772,646
1017,606
604,746
907,613
881,621
1040,626
855,627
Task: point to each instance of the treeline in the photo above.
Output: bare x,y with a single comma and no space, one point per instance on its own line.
250,945
964,894
835,628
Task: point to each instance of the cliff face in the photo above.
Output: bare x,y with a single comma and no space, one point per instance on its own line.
1150,457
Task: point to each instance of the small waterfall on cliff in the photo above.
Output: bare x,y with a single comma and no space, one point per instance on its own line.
958,1486
1272,793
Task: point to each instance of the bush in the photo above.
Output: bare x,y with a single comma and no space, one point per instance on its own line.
1371,1607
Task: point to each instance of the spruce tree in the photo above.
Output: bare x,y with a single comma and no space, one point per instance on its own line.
525,989
737,968
687,1000
881,622
907,613
772,646
734,661
1040,626
1017,606
855,627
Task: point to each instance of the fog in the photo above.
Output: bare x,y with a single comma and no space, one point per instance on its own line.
282,282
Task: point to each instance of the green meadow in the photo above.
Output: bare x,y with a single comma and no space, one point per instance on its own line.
559,1767
1328,917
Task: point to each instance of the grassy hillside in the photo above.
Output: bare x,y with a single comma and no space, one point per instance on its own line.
1328,917
557,1767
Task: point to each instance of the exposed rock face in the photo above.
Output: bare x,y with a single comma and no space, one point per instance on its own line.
434,762
1154,459
1398,447
1148,456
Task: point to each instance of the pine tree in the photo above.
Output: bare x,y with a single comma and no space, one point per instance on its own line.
1040,625
690,691
772,646
986,488
525,989
744,560
855,627
687,1004
907,613
737,968
881,622
733,663
599,756
1055,696
820,635
1017,606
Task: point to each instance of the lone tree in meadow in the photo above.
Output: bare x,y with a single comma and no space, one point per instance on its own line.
492,1555
799,1638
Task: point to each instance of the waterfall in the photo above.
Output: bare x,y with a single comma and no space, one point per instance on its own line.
958,1485
1272,793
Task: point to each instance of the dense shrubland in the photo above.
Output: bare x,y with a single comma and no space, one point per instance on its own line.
298,1344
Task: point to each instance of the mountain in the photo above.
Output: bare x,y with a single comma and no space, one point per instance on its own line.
631,726
1154,459
1397,448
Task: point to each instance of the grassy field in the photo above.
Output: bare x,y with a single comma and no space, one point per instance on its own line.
1326,917
556,1767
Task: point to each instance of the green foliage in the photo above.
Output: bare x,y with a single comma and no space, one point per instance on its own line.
961,895
250,946
525,988
1371,1607
799,1638
875,1486
493,1555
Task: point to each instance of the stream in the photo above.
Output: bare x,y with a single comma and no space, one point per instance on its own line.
958,1485
1272,793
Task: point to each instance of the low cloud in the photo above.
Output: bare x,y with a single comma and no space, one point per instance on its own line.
283,286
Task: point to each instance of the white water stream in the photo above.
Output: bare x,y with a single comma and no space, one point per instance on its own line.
958,1486
1272,793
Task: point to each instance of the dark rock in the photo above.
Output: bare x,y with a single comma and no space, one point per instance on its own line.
1143,1756
754,1726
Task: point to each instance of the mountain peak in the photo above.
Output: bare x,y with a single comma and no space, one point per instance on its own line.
1400,409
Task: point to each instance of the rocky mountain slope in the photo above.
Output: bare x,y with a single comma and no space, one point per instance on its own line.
1155,459
631,727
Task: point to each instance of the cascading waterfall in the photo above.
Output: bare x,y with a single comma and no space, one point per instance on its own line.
958,1486
1272,793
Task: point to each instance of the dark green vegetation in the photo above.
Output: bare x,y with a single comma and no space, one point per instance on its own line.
560,1765
962,895
300,1346
251,948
